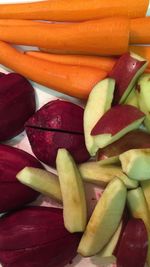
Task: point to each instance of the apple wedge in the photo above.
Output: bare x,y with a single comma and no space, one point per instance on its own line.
126,72
73,195
42,181
115,123
143,95
139,209
132,250
146,190
102,174
98,103
105,219
133,139
136,163
132,99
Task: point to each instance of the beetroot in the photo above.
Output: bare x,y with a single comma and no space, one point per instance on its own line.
58,124
36,237
13,194
17,104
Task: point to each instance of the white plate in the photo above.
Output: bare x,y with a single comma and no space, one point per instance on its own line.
44,95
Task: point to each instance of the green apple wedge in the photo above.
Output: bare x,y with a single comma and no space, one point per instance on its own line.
105,219
135,163
73,195
143,96
99,101
132,99
42,181
139,209
102,174
146,190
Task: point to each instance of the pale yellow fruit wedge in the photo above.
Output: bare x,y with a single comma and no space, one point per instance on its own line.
105,219
102,174
139,209
42,181
72,188
146,190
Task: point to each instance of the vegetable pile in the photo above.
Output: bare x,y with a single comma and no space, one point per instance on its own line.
92,51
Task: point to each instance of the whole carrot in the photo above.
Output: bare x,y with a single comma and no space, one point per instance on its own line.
109,36
75,10
104,63
140,31
75,81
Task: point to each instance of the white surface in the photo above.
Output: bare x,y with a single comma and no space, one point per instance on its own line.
44,95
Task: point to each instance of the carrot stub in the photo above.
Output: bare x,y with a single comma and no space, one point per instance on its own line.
104,63
75,10
140,31
101,37
75,81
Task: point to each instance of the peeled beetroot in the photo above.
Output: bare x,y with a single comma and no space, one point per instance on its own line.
36,237
17,104
13,194
58,124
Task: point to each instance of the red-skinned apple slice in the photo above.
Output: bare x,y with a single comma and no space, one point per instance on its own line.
134,139
132,99
115,123
126,72
133,246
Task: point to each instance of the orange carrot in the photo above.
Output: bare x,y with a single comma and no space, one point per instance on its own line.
147,71
108,36
140,31
75,81
104,63
23,22
143,51
75,10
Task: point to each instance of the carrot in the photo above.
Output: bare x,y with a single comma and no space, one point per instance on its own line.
143,51
108,36
75,10
75,81
140,31
104,63
23,22
147,71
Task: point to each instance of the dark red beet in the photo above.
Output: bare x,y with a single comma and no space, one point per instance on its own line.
45,145
116,119
132,250
36,237
58,124
17,104
13,194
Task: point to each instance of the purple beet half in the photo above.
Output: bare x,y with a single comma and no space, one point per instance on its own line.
36,237
58,124
45,145
17,104
13,194
59,115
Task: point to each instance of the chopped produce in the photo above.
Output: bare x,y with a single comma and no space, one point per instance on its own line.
99,101
103,63
73,194
36,236
143,96
17,104
127,70
139,31
106,130
132,99
139,209
135,163
102,174
104,220
97,37
58,124
71,80
134,139
143,51
146,190
132,250
42,181
13,194
62,10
